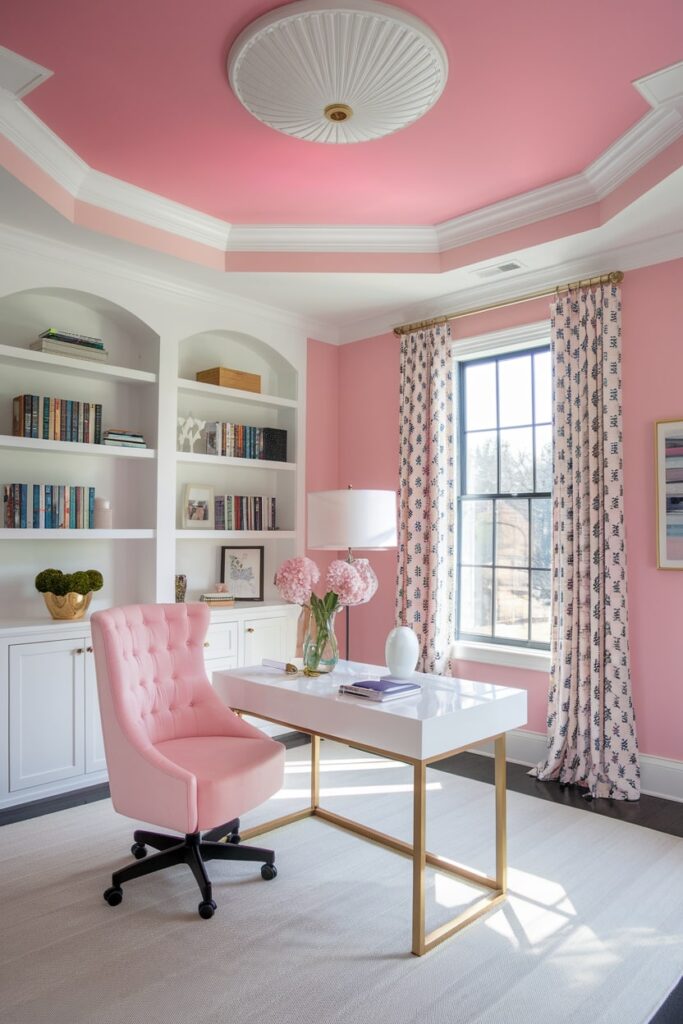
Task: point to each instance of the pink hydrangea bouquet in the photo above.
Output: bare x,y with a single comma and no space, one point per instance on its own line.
348,583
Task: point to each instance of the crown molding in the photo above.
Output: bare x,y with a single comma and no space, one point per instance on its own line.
629,257
280,238
138,204
646,139
35,246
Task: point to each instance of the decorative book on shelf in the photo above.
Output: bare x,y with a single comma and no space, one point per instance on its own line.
224,377
56,419
218,600
124,439
242,442
241,512
48,507
62,342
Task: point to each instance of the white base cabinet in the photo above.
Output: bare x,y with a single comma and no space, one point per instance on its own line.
49,713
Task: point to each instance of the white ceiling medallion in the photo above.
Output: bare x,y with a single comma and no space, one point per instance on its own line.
337,70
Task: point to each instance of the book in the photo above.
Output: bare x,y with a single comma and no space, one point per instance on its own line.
218,600
66,348
124,444
384,689
70,338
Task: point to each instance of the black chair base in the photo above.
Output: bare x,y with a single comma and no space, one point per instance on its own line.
193,850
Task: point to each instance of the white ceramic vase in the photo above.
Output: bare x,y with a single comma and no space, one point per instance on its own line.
401,652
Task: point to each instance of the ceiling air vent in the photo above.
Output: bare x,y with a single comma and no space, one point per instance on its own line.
499,268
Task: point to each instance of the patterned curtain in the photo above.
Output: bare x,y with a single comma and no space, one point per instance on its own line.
591,725
426,542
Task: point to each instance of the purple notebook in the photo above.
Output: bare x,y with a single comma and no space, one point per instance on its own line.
386,688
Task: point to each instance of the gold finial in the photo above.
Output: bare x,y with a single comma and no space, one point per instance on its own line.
338,112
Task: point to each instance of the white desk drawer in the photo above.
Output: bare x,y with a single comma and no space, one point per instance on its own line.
221,641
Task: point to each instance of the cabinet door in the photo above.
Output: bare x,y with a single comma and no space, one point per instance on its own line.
265,638
221,641
46,706
95,760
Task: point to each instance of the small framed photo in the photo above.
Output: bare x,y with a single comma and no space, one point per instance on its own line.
242,572
198,507
669,467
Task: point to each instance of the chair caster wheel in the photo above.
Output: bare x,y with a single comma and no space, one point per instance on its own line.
139,850
207,909
113,895
235,839
268,872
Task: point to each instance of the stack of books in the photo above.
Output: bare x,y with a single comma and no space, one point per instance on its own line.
239,512
242,442
56,419
380,690
48,507
68,343
124,438
218,600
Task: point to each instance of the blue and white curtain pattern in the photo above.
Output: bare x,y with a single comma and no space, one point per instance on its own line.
591,725
426,540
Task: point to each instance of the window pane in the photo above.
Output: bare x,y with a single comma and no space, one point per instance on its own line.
482,463
477,532
512,604
540,607
543,396
514,391
512,532
516,461
480,396
544,459
541,527
475,600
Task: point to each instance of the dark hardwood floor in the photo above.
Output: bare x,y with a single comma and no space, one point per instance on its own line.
649,812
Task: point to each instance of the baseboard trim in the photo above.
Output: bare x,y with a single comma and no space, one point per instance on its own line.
659,776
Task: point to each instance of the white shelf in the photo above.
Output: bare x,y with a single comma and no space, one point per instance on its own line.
229,462
61,534
74,447
74,366
235,534
195,387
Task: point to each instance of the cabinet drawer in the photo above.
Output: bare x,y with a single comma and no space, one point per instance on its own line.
221,641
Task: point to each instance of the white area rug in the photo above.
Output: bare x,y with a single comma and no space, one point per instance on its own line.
592,932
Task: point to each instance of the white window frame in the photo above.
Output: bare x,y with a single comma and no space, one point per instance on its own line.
535,335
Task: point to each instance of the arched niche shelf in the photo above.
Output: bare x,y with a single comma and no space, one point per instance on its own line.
131,343
238,351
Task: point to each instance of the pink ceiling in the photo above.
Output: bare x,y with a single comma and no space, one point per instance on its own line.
536,91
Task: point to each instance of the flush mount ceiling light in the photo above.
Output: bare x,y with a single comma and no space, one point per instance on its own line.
335,71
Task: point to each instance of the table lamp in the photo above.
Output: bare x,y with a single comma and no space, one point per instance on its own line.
361,520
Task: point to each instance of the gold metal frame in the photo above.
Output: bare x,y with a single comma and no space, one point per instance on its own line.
422,941
661,498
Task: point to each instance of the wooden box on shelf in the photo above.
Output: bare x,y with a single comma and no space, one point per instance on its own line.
226,378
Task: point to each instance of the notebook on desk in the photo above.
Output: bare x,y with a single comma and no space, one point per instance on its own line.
386,688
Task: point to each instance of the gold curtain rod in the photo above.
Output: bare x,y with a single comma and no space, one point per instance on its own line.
614,277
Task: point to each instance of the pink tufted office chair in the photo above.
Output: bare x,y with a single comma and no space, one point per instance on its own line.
177,757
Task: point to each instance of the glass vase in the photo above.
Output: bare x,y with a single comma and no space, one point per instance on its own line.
321,652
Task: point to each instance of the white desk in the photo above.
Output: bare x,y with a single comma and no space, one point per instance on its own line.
446,716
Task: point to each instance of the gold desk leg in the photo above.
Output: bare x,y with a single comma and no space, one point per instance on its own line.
419,856
501,814
315,772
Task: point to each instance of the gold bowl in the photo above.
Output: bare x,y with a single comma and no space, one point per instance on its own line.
67,606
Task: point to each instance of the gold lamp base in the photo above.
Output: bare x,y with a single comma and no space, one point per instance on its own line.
68,606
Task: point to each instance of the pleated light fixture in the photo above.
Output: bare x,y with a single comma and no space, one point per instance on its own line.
335,71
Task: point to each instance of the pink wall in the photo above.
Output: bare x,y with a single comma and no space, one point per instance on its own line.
363,379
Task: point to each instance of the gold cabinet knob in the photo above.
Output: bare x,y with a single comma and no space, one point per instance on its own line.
79,650
89,650
206,643
250,629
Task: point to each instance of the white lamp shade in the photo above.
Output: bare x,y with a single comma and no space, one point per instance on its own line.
362,520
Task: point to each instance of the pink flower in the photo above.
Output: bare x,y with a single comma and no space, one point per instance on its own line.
352,582
296,578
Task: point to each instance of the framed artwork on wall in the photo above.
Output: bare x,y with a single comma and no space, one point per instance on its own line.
198,507
669,468
242,572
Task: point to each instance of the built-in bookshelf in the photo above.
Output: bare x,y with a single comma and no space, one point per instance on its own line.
146,384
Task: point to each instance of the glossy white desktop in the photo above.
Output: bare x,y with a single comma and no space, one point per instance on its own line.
446,716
